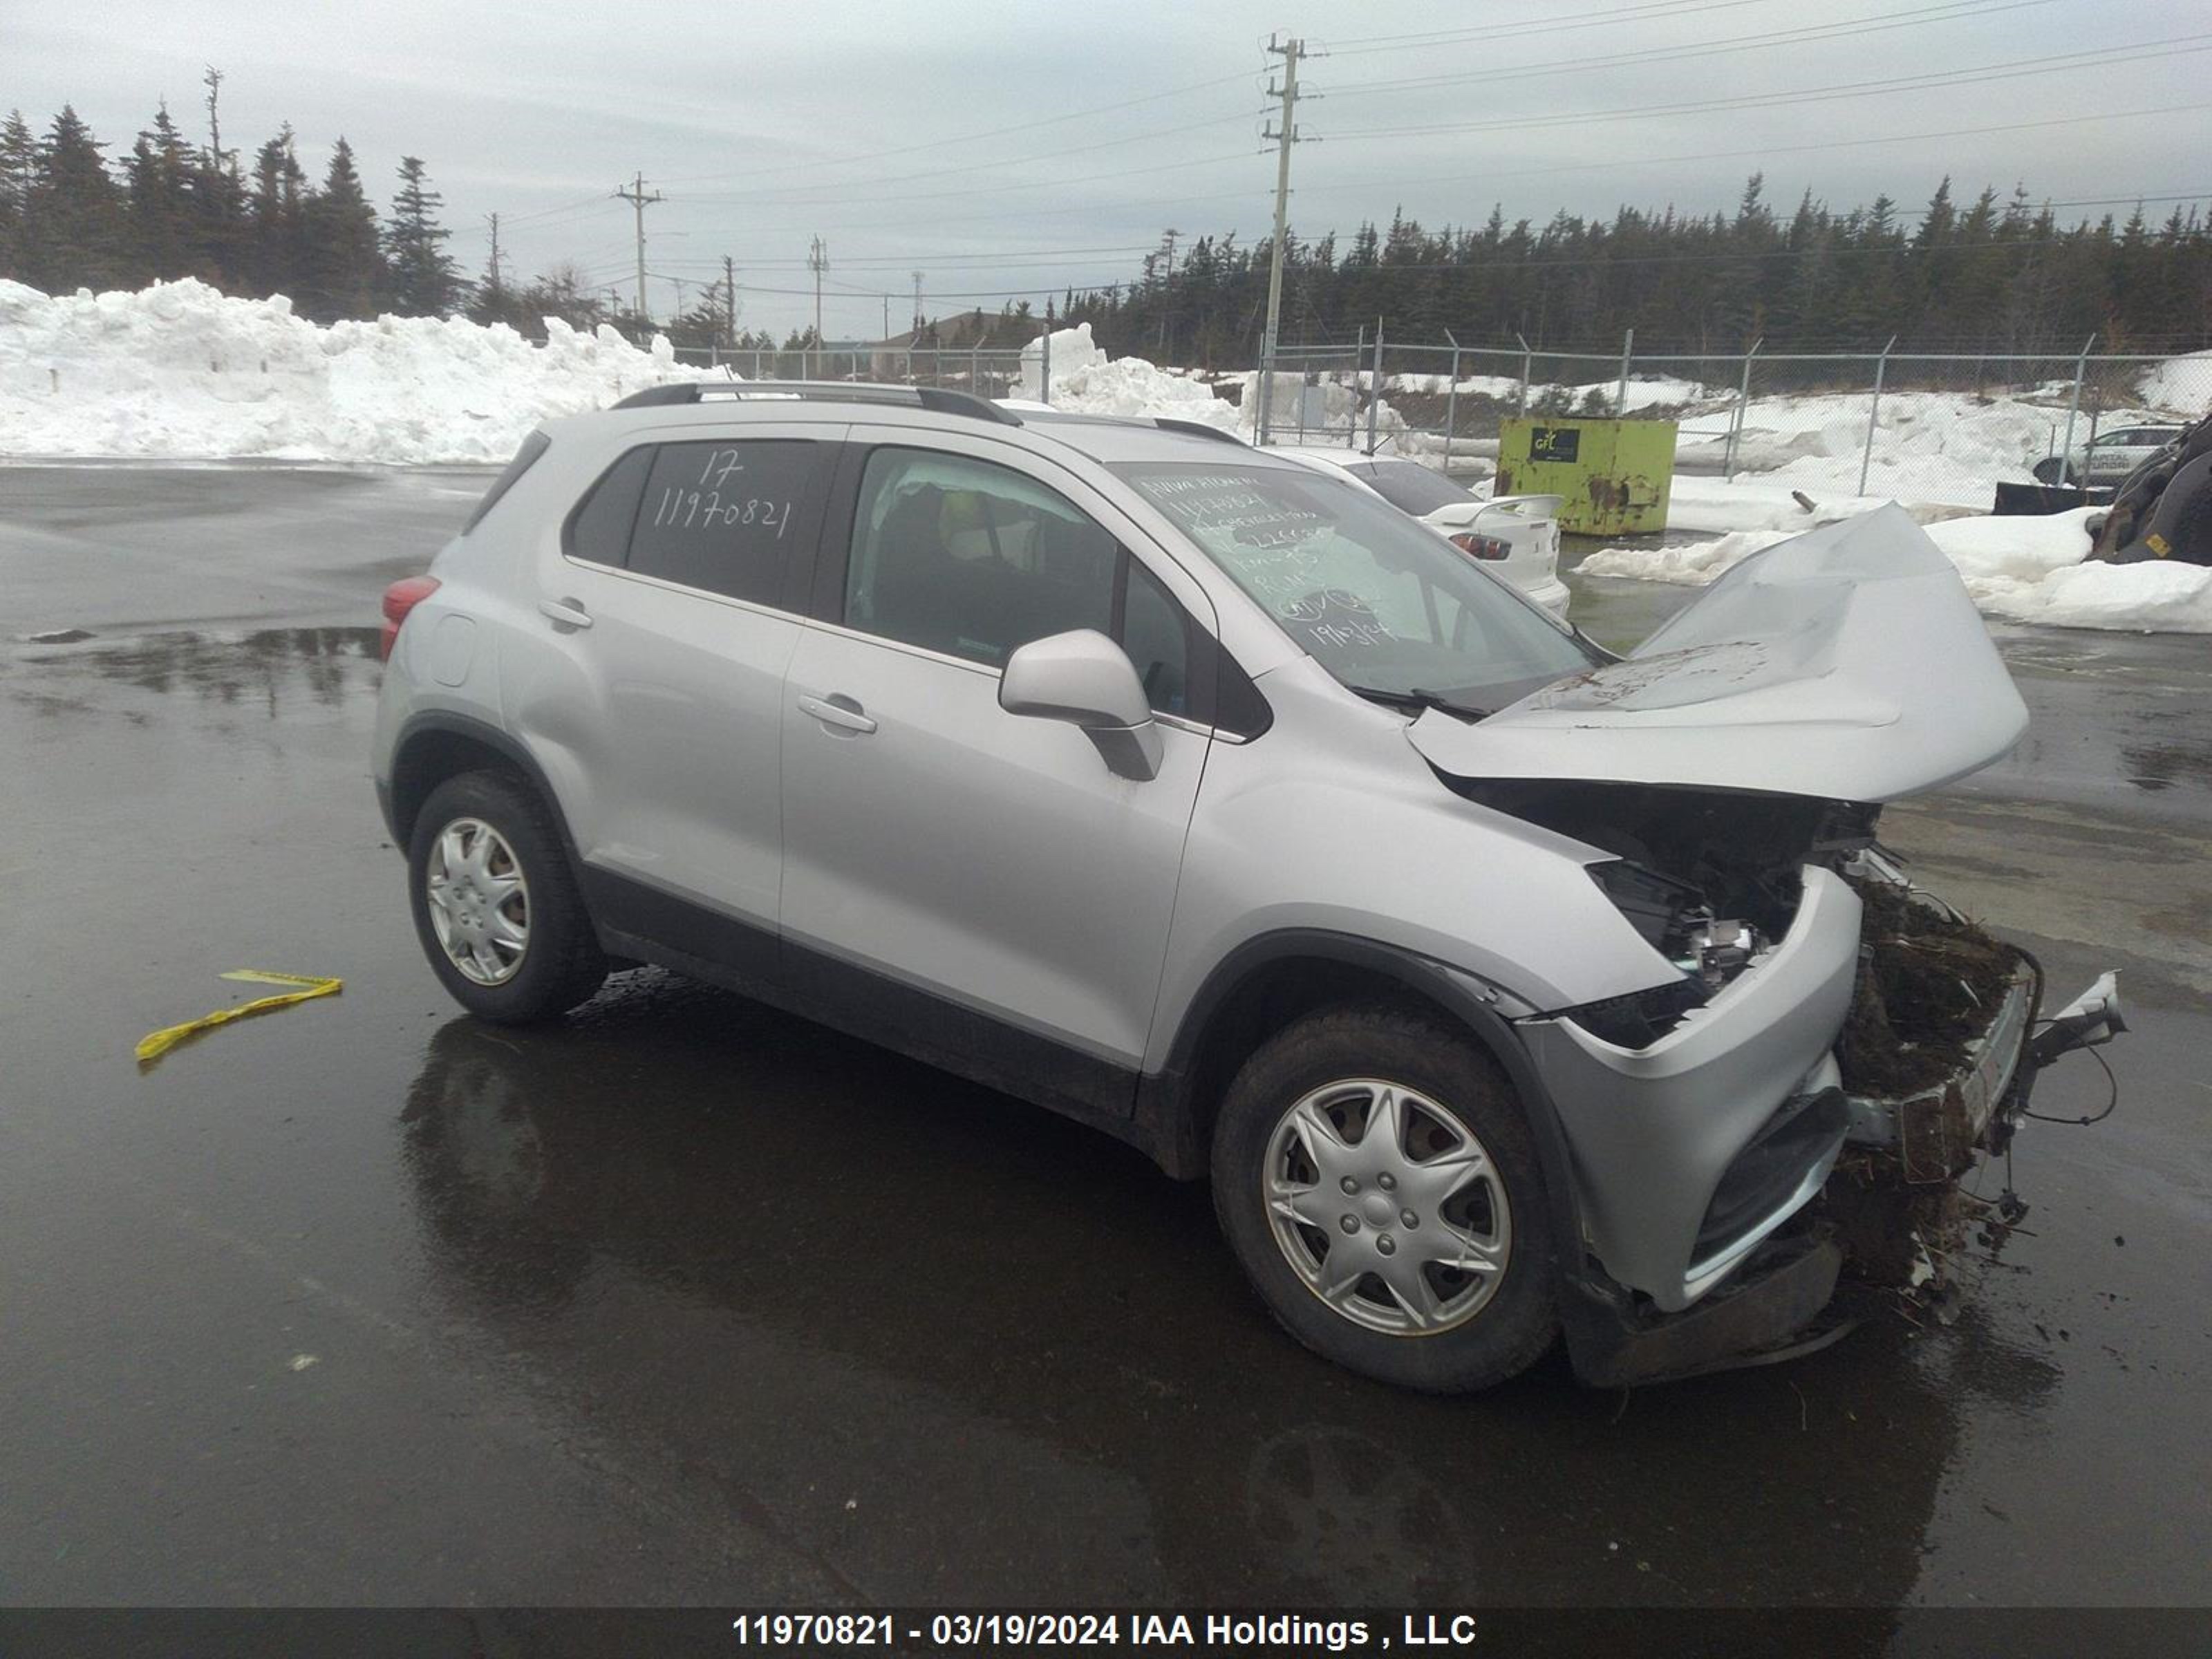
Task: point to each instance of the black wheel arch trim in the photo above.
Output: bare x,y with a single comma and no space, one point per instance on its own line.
449,724
1171,1117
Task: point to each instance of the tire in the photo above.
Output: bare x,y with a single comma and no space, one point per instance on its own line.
525,888
1286,1217
2047,471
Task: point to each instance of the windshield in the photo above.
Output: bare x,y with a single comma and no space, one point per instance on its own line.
1386,604
1411,488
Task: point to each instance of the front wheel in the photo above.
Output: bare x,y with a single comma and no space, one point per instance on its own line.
495,904
1377,1179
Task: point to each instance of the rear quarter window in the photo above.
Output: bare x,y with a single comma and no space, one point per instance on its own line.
599,530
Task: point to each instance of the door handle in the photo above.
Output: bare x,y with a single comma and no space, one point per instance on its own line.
566,612
837,710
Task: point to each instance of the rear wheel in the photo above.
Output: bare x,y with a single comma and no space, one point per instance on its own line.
2049,470
495,904
1376,1177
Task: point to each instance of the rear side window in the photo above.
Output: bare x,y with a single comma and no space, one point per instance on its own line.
524,458
728,517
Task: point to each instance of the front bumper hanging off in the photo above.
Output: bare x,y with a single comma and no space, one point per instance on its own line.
1888,1205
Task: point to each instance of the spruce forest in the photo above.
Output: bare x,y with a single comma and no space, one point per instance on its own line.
1988,275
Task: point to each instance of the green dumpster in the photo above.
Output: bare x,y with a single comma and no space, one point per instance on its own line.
1612,477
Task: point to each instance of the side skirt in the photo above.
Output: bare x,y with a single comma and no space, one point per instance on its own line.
647,924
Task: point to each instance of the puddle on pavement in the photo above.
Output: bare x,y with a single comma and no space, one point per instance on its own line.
271,669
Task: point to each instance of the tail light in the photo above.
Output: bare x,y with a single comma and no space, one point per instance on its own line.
1482,547
402,597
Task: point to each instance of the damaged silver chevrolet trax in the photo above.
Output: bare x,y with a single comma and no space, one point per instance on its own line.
1496,984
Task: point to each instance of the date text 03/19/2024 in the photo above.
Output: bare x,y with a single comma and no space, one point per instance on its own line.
1417,1631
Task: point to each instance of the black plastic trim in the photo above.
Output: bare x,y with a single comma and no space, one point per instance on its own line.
1164,1101
477,730
649,924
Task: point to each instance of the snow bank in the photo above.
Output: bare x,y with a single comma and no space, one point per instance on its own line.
1086,381
2181,386
180,371
2022,569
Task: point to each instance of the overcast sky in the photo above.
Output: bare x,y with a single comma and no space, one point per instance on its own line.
884,127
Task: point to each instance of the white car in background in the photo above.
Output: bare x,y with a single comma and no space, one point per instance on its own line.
1516,537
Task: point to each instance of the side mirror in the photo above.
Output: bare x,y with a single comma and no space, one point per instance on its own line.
1085,678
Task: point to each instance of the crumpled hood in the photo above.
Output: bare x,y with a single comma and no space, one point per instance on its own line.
1847,662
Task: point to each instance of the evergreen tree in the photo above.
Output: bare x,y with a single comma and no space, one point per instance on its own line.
77,213
425,282
159,174
279,236
343,271
19,171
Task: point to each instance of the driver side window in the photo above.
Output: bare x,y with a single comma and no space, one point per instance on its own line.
975,560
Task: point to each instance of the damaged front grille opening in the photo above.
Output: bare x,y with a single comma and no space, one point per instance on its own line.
1928,984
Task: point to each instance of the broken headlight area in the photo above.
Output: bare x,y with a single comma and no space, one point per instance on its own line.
1701,873
1640,1019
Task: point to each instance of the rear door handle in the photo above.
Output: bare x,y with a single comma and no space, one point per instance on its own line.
837,710
566,612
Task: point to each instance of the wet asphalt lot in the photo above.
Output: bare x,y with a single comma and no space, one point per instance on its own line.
688,1302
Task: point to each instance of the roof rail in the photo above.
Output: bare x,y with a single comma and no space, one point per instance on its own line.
938,399
1197,429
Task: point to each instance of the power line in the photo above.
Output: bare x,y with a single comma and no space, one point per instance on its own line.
1759,150
814,192
1365,45
1950,11
2097,57
972,137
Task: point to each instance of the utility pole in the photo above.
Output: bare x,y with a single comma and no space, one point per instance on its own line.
817,261
917,305
887,317
730,299
637,198
1284,135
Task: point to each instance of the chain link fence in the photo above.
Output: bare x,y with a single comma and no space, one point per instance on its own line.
1940,429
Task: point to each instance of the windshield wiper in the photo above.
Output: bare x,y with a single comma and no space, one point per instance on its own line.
1418,699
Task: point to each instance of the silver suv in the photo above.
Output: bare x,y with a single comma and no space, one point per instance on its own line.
1210,801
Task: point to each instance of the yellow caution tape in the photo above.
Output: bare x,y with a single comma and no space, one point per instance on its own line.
155,1044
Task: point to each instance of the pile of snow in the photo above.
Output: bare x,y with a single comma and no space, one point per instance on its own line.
1645,392
2181,386
178,370
2022,569
1086,381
